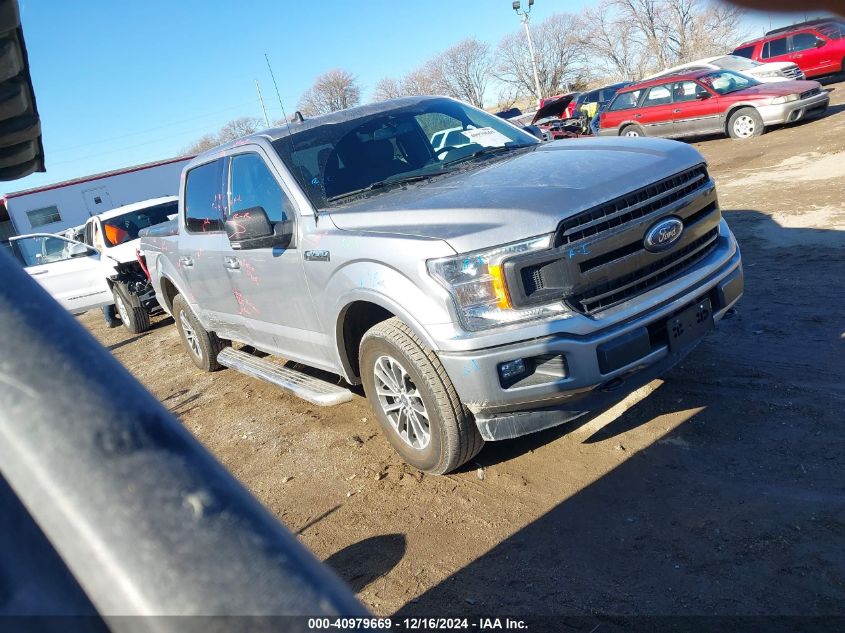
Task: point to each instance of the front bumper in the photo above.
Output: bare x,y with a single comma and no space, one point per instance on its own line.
582,381
795,110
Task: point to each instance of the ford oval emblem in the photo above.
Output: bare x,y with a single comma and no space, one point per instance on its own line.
662,235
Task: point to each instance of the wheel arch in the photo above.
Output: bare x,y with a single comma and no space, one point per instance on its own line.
359,313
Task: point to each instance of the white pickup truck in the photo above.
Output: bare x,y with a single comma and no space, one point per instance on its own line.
104,271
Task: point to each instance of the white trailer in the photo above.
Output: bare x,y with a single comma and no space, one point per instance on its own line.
63,205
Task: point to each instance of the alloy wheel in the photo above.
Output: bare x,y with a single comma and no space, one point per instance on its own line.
190,335
402,402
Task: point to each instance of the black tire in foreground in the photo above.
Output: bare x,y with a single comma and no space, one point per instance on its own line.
135,318
414,400
745,123
203,347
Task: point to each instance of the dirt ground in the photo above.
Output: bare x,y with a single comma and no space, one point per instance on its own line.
718,490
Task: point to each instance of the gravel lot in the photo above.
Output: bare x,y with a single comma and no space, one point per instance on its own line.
718,490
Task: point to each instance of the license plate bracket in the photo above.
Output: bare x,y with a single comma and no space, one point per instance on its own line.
689,325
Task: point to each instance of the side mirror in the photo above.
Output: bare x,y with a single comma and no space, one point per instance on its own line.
80,250
251,228
820,43
702,96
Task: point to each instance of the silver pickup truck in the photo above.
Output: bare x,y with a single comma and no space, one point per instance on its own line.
478,291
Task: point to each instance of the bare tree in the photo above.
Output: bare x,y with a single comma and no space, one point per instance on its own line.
233,129
334,90
612,43
387,88
238,128
558,51
661,33
425,80
464,70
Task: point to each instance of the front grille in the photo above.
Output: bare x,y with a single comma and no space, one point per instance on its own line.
623,288
599,259
631,206
811,93
793,73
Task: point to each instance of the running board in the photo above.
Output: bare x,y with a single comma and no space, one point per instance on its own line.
314,390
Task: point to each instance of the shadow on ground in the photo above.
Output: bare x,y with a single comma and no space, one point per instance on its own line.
366,561
737,510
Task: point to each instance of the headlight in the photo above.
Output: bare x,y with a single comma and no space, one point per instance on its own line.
793,97
477,283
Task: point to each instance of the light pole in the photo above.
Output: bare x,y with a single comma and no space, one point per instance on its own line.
525,16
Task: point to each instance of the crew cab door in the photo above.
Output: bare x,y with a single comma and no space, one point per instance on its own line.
203,246
273,295
70,271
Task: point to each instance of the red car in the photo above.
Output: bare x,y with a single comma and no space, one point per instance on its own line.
817,47
709,102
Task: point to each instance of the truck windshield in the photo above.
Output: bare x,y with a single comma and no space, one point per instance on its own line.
335,161
125,227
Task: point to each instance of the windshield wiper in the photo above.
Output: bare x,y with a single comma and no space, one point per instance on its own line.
489,150
386,183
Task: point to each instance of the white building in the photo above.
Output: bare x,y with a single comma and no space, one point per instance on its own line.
52,208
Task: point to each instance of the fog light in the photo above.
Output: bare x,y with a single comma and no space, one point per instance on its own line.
511,369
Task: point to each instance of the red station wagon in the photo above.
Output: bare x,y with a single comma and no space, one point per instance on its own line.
709,102
817,47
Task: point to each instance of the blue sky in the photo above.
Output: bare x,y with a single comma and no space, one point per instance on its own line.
122,83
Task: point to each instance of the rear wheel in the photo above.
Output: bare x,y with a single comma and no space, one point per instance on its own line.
632,130
135,318
745,123
203,347
414,400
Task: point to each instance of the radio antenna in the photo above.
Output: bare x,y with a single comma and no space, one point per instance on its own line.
276,86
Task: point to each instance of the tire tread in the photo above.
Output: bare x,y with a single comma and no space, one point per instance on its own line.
462,440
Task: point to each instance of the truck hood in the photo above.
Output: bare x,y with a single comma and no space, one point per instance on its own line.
521,196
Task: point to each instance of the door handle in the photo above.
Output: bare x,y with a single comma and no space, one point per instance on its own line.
232,263
637,116
38,272
676,111
187,262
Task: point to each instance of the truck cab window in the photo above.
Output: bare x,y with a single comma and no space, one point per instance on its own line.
204,200
253,185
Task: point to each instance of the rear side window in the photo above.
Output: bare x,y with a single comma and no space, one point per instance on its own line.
745,51
832,31
657,95
803,41
253,185
774,48
626,100
204,201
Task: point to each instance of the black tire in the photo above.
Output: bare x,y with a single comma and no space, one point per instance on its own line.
453,437
208,344
745,123
110,317
133,317
632,129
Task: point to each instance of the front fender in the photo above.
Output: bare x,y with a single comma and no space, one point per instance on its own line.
417,304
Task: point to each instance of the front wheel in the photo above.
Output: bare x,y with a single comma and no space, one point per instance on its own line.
414,400
135,318
203,347
745,123
632,130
